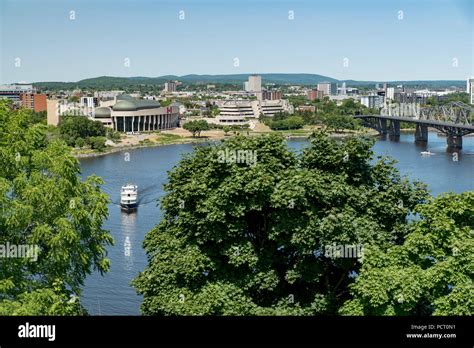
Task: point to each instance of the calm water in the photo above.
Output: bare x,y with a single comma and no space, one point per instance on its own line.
112,293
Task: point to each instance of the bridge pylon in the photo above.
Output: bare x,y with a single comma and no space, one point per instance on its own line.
394,129
421,133
453,119
454,142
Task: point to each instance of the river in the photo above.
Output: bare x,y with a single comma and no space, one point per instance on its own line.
112,293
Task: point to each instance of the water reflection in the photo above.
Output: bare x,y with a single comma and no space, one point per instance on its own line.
128,222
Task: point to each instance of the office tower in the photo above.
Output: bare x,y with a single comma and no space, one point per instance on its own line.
254,83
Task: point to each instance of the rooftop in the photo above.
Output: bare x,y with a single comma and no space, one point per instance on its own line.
126,102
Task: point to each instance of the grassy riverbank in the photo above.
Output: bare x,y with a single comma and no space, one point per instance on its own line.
148,141
181,136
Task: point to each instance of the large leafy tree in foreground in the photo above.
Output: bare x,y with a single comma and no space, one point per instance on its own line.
249,237
43,202
430,273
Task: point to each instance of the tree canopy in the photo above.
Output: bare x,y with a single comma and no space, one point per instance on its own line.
196,127
430,273
73,128
241,238
335,117
291,122
340,122
44,203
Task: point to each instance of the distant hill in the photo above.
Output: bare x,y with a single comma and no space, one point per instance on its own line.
413,83
106,82
300,79
111,82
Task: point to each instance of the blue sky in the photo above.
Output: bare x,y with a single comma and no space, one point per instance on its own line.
433,40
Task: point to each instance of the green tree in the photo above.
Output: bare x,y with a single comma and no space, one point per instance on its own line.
292,122
38,117
43,202
452,97
249,237
307,116
73,127
430,273
226,129
350,107
166,102
196,127
98,143
215,111
113,135
338,122
297,100
280,116
80,142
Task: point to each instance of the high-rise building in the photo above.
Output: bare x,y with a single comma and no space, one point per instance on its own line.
325,88
254,84
328,88
343,89
52,113
470,89
390,93
33,101
372,101
315,94
170,86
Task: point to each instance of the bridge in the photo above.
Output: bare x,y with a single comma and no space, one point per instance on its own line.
453,119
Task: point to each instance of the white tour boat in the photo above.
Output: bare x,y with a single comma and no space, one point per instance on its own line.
129,197
426,153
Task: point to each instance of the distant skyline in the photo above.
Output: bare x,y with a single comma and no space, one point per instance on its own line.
370,40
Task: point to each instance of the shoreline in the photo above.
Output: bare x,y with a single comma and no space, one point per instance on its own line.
115,149
190,140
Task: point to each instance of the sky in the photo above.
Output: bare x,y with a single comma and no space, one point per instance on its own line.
377,40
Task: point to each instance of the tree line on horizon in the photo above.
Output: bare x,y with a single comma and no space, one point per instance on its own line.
113,82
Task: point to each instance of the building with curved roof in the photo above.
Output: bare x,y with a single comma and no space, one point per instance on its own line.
129,114
103,112
124,105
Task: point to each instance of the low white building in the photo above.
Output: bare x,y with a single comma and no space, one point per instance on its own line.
241,108
253,108
228,120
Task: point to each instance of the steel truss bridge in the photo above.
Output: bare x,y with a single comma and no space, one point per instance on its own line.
453,119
